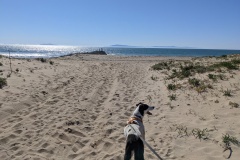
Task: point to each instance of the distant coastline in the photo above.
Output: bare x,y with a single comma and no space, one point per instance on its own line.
48,44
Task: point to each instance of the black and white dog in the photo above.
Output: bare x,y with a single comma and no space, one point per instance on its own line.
134,130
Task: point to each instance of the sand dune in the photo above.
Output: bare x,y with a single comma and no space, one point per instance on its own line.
77,109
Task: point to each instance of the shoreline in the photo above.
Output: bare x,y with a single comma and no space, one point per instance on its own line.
56,51
76,54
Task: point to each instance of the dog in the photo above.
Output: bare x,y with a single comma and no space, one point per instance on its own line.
134,130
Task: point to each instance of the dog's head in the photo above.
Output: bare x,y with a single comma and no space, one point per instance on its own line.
142,109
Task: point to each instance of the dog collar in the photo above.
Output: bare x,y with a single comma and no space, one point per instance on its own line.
132,119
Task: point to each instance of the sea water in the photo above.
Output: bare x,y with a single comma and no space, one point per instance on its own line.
47,51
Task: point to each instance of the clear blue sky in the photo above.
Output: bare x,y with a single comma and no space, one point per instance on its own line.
182,23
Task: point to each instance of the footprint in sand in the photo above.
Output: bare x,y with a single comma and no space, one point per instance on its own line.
45,151
5,140
45,145
18,131
72,156
19,153
64,137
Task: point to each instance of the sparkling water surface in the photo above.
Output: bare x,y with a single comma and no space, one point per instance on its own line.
47,51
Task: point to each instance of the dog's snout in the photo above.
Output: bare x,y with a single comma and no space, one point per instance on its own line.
151,108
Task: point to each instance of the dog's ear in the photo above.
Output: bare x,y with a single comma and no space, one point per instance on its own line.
139,104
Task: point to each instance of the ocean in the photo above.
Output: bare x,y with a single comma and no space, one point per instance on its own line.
48,51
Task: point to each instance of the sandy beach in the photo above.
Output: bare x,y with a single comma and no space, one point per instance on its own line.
77,107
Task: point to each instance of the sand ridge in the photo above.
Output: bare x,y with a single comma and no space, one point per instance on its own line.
77,109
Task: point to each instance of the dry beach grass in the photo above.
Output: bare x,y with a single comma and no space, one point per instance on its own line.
76,107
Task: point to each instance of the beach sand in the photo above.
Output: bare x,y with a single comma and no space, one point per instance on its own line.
77,109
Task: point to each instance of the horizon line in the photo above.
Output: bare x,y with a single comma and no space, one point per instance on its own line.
121,46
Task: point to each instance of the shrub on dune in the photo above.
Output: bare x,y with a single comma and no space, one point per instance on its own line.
3,82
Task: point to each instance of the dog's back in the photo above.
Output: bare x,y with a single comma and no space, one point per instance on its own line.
136,129
133,143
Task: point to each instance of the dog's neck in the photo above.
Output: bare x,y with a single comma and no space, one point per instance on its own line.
134,120
137,117
137,113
